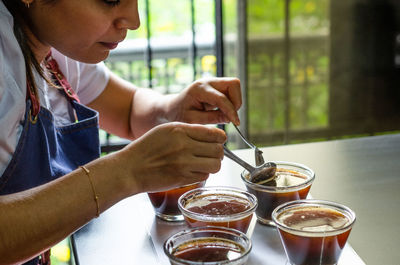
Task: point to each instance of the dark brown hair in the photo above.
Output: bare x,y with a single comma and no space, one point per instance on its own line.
21,22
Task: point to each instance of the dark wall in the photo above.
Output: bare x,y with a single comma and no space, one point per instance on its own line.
364,74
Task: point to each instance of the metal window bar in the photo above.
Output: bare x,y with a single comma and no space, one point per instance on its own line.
149,53
287,71
219,47
242,66
219,42
194,46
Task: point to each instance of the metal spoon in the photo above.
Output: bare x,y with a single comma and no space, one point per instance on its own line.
260,174
257,152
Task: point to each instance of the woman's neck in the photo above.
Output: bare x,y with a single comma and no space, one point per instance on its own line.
39,49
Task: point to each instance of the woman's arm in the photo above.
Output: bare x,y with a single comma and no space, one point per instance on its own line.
167,156
36,219
129,112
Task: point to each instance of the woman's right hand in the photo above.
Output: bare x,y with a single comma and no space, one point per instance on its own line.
173,154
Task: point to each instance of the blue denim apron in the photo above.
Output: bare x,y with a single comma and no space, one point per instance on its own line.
45,151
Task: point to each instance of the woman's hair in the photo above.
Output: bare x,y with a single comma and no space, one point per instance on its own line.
21,22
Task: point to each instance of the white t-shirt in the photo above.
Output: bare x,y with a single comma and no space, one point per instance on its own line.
87,80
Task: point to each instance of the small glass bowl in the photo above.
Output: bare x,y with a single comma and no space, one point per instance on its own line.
218,206
208,245
313,231
293,183
165,203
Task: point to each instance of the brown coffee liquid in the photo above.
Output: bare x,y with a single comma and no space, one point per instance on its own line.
219,205
316,239
269,200
166,202
209,250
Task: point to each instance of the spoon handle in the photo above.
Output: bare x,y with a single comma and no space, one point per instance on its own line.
238,160
244,138
258,153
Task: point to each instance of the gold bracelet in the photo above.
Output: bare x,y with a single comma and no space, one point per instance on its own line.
96,198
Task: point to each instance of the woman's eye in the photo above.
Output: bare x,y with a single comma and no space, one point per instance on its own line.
112,2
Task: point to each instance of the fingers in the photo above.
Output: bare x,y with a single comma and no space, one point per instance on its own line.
174,154
221,98
213,116
205,165
199,150
214,100
205,133
210,150
197,177
231,88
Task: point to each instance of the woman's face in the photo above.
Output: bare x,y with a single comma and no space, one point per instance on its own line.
84,30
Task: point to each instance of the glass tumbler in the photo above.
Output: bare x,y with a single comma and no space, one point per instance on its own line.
218,206
293,182
165,203
313,232
208,245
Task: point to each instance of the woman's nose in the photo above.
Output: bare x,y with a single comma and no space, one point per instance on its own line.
130,18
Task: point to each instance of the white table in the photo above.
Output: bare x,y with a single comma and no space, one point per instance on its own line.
347,171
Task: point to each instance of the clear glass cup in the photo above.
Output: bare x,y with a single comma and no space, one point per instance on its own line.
218,206
293,182
208,245
313,232
165,203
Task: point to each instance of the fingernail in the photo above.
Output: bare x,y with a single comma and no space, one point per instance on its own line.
237,122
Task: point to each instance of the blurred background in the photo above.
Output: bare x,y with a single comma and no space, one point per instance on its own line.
310,70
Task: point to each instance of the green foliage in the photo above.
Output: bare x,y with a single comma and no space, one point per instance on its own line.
172,18
61,253
268,16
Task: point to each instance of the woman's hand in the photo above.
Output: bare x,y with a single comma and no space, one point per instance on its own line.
173,154
207,101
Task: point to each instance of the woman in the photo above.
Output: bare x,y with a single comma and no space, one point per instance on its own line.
52,181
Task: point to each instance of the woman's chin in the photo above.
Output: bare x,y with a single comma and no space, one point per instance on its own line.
93,58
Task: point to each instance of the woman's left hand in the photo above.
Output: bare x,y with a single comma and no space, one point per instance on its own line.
207,101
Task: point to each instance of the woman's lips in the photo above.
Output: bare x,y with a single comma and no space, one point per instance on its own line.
110,45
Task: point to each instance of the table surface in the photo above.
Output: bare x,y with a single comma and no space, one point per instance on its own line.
362,173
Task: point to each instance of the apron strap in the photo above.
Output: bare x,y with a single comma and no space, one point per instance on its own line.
35,104
44,258
52,65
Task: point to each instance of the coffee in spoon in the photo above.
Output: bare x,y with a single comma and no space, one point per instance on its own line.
262,175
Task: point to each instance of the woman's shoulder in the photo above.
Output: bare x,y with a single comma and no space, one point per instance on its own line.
4,11
12,87
12,66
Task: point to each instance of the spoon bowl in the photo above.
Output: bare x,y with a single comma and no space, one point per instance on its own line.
260,174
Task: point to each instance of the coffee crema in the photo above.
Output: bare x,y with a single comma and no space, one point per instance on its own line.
217,205
285,178
313,219
209,250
